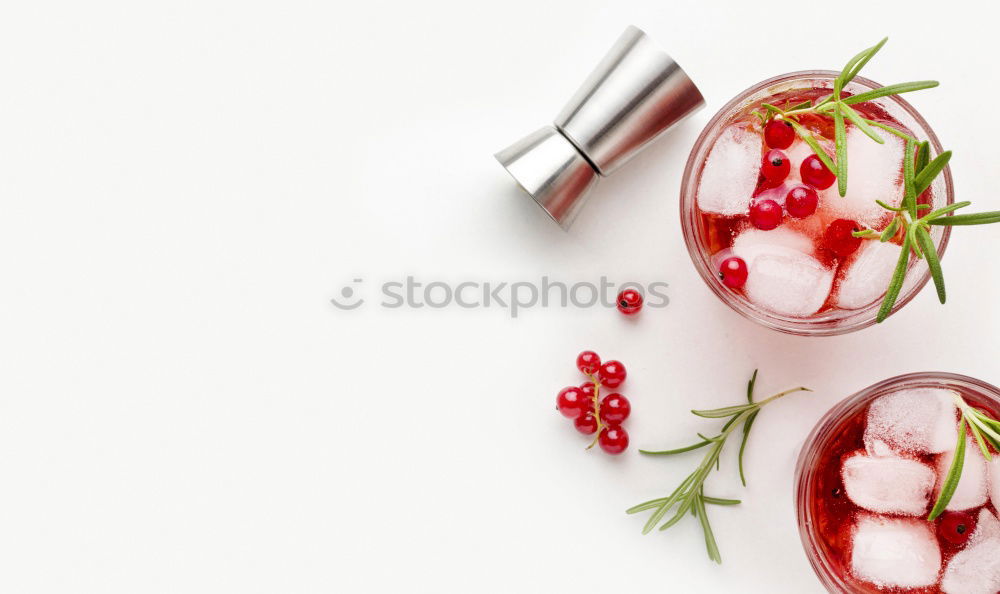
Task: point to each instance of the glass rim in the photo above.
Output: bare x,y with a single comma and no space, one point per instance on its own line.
860,318
805,466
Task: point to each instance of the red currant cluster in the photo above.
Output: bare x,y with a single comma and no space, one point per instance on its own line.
801,200
592,414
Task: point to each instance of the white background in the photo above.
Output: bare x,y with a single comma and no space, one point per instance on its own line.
184,185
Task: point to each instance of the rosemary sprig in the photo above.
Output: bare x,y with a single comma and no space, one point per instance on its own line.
919,172
839,108
690,494
986,431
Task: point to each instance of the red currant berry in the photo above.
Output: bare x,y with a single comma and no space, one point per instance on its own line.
765,214
839,239
615,408
815,173
588,388
572,402
612,374
956,527
779,134
586,423
775,166
588,362
801,201
613,439
733,272
629,302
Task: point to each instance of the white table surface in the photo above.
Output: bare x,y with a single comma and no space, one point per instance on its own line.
185,185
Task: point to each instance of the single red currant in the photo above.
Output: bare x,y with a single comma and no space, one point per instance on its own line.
588,362
588,388
956,527
612,374
733,272
779,134
629,302
572,402
839,237
586,423
801,201
613,439
765,214
775,166
615,408
815,173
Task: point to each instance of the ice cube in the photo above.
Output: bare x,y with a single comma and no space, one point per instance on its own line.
788,283
895,552
874,172
919,420
754,242
975,569
987,526
971,489
888,485
731,171
867,275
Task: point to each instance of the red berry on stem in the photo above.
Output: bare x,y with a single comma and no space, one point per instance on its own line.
733,272
815,173
612,374
613,439
629,302
588,388
588,362
779,134
801,201
765,214
956,527
586,423
775,166
839,237
615,408
572,402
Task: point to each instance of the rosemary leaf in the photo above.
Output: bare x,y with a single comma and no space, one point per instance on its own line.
718,501
711,546
896,89
923,155
860,122
858,62
689,448
979,218
910,193
933,262
840,139
923,180
979,440
890,231
747,424
891,129
813,144
953,476
945,210
720,413
897,281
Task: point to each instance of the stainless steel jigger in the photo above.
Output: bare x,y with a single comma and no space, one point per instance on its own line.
634,94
